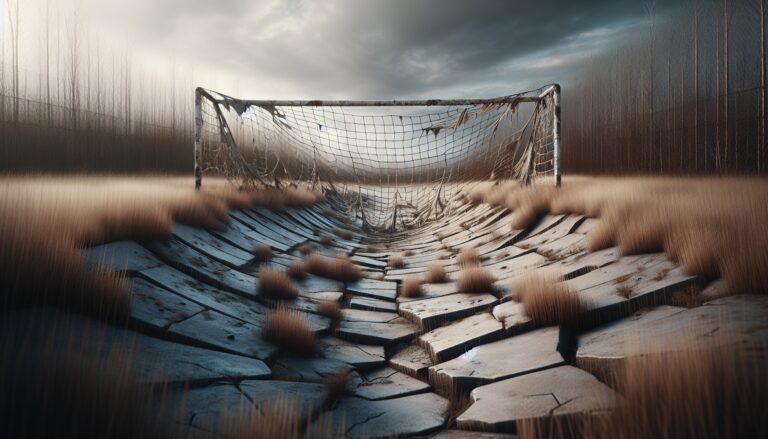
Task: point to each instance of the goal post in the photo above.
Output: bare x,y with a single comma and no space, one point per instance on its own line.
389,155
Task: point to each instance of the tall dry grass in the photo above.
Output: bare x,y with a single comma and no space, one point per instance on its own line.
46,220
702,392
712,227
547,300
287,329
276,284
340,268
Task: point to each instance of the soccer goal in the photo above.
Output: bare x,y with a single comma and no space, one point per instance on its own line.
400,162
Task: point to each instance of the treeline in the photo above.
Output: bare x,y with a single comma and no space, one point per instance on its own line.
83,107
688,96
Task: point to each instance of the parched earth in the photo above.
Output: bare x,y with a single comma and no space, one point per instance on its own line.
197,321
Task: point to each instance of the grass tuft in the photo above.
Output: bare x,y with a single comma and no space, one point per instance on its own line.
411,287
330,309
276,284
547,301
263,252
468,257
436,273
288,330
475,280
339,268
396,261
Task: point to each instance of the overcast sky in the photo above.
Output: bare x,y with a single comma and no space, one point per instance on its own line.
373,49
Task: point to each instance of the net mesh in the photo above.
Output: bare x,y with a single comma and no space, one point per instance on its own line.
398,164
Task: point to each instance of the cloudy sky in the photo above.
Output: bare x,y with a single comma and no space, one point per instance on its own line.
371,48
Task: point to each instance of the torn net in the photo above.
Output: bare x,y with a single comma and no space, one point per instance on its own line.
398,164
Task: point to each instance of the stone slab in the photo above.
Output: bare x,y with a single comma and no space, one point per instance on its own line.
121,256
361,357
372,304
375,333
429,313
353,417
413,360
450,341
557,392
385,383
522,354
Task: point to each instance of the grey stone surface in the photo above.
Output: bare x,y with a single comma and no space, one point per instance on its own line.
213,407
357,315
561,391
450,341
385,383
217,331
201,267
413,360
737,321
376,333
353,417
429,313
158,308
302,398
362,357
121,256
225,302
212,246
375,289
521,354
372,304
307,369
512,315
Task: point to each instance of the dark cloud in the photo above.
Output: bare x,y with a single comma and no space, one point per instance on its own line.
383,49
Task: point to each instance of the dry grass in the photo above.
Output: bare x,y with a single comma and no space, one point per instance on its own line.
624,290
436,273
305,248
278,419
408,253
476,280
376,276
297,270
330,309
276,284
52,386
468,257
340,268
343,234
338,385
713,227
546,300
411,287
396,261
325,240
263,252
46,219
287,329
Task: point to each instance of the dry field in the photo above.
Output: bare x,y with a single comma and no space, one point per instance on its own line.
712,228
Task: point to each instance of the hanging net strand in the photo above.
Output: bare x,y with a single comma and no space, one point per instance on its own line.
399,164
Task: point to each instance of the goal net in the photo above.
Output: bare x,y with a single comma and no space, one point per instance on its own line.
396,164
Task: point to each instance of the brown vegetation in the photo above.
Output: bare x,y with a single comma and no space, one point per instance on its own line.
436,273
546,300
396,261
411,287
338,384
475,280
305,248
325,240
711,227
343,234
468,257
330,309
287,329
340,268
263,252
276,284
297,270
